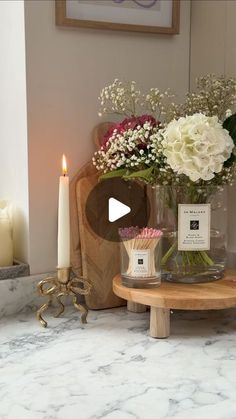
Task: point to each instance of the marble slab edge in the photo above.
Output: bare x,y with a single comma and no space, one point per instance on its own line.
19,294
18,269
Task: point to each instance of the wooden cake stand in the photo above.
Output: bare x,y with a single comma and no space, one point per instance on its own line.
209,296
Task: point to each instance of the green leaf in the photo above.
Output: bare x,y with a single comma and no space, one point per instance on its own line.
230,161
113,174
145,174
230,125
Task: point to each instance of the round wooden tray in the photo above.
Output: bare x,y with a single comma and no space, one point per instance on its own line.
209,296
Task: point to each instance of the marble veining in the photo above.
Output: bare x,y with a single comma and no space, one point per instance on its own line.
19,294
111,369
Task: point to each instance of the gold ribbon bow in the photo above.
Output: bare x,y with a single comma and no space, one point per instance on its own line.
56,287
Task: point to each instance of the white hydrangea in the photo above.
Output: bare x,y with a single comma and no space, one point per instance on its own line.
196,146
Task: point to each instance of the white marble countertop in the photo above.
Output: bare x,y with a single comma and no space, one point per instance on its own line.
111,369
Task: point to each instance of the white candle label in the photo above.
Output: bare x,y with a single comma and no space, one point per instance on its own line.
194,222
140,262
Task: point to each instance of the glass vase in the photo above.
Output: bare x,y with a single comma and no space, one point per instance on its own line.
194,224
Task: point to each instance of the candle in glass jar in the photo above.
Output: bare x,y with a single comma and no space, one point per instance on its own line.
6,240
64,219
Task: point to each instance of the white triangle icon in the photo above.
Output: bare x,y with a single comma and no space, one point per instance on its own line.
116,209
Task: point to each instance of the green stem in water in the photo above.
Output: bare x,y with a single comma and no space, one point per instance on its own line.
208,261
169,253
189,259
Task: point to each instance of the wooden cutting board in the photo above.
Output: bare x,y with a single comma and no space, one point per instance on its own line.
100,257
87,170
94,257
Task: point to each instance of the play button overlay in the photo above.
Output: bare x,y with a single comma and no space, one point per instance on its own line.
117,210
116,203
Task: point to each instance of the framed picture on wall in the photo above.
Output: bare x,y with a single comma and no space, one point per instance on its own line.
153,16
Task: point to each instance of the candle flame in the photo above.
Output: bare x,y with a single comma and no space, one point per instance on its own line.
64,165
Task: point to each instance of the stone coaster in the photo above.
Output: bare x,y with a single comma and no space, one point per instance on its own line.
15,271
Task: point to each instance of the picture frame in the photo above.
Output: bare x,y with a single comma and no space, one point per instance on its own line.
98,14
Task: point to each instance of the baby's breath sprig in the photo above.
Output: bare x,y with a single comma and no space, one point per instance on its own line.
137,146
124,98
214,96
120,98
130,149
160,104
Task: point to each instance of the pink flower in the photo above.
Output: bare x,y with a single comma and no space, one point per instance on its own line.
109,133
148,118
129,123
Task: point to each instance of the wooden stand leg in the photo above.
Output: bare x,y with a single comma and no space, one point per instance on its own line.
159,322
136,307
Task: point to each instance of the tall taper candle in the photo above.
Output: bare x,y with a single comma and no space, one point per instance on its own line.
64,219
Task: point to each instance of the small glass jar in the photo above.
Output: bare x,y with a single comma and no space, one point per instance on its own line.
141,262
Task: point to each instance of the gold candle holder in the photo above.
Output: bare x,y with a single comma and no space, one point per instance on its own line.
56,287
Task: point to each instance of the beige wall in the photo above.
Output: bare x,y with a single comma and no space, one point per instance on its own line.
213,35
13,125
66,68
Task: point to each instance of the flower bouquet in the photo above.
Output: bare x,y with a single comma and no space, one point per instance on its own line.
188,151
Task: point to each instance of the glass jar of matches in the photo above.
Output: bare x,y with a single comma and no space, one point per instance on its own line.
140,257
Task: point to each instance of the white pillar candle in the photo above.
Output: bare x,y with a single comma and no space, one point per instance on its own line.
6,240
64,219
